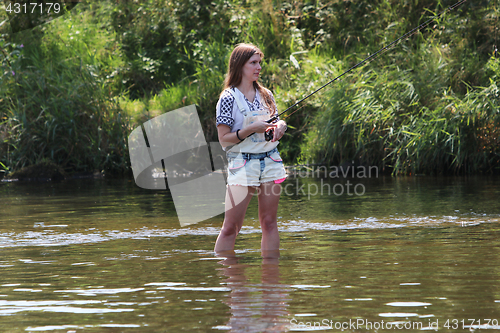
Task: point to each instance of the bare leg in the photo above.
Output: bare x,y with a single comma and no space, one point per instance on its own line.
237,200
269,196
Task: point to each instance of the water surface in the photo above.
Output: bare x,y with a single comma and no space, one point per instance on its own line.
106,256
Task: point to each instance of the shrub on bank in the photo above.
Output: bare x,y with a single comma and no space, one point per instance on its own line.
87,79
56,100
383,119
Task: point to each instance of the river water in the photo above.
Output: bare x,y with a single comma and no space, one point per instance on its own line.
383,254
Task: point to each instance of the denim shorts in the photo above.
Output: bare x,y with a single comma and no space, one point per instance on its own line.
248,169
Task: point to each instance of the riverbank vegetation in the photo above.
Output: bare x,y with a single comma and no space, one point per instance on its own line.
73,89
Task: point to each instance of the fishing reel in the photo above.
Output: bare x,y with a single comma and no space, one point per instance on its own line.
269,134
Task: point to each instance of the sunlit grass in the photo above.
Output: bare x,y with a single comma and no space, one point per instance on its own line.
72,90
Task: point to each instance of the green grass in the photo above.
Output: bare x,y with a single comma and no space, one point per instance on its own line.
59,104
429,105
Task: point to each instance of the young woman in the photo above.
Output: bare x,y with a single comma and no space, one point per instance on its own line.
254,163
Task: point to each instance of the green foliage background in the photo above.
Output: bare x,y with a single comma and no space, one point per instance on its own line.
71,90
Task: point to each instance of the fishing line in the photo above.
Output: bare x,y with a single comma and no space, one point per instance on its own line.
371,57
495,47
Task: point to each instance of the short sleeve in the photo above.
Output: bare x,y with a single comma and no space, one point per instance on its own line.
224,114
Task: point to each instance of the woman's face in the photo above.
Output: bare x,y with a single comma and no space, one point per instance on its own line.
251,69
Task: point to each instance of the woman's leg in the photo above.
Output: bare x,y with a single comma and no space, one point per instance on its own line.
269,196
237,200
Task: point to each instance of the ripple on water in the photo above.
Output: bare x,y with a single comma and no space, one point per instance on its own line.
93,292
12,307
91,235
408,304
65,327
307,286
398,314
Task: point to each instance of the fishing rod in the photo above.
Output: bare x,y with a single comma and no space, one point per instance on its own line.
371,57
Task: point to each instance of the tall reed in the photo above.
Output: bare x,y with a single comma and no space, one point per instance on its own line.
427,106
58,104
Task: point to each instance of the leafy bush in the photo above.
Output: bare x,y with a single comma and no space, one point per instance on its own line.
429,105
383,119
58,106
159,39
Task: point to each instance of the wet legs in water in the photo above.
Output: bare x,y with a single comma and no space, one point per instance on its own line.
237,200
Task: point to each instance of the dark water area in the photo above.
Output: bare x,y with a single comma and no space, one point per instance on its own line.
400,254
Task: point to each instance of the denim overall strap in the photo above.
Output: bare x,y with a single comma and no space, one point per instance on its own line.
254,143
241,104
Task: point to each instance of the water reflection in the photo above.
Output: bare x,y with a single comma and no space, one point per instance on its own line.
255,307
104,255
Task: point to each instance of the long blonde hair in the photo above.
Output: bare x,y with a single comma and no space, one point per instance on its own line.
240,55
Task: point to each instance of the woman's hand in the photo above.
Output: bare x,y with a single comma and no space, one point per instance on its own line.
261,126
279,131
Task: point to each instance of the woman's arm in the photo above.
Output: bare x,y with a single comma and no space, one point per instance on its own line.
226,138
